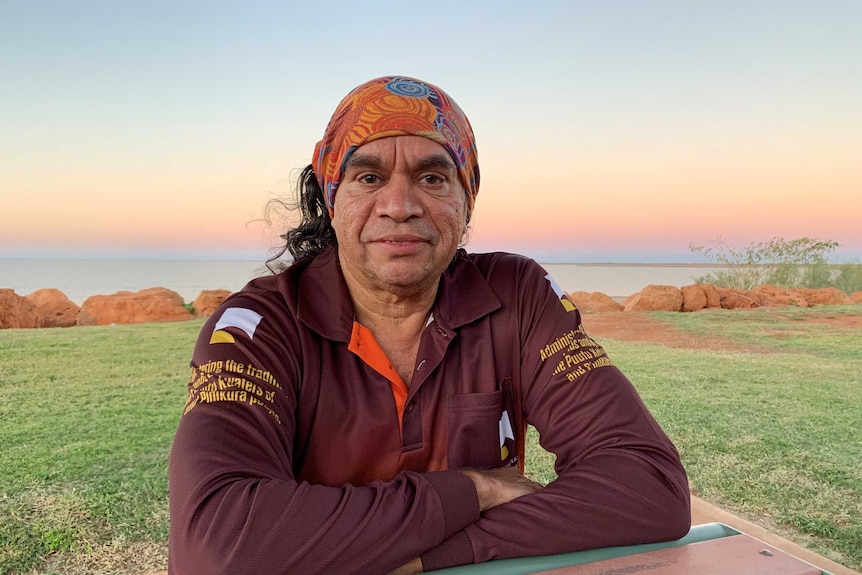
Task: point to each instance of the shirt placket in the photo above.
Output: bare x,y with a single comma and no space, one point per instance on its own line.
432,350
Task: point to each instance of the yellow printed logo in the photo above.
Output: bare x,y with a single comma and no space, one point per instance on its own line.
505,428
239,317
569,306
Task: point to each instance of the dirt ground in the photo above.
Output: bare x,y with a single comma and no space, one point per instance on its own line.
638,326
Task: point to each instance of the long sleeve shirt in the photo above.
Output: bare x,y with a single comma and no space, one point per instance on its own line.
299,451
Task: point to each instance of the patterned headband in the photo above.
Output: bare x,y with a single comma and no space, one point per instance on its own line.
395,106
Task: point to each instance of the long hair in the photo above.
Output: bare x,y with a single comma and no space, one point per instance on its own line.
314,232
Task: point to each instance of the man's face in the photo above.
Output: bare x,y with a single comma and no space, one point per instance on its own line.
399,214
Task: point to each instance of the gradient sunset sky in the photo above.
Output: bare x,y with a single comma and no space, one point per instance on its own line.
616,131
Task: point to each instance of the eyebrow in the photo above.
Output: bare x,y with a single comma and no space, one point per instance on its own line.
365,161
362,161
442,161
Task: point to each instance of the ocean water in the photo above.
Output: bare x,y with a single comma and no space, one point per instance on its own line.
622,280
80,279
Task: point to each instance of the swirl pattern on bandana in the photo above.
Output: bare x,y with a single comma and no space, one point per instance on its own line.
395,106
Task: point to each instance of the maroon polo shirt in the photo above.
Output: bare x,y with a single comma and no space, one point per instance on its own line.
297,451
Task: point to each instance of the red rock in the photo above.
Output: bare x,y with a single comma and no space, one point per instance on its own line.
856,297
739,299
713,298
54,308
149,305
208,301
590,302
655,298
826,296
693,297
16,311
772,295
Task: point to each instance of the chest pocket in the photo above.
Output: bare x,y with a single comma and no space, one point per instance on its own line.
481,434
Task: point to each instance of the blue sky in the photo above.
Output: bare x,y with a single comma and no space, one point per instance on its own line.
619,130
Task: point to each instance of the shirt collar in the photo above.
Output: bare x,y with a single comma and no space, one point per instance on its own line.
324,304
464,294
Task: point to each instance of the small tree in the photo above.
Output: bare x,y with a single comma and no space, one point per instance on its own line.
801,262
798,263
741,268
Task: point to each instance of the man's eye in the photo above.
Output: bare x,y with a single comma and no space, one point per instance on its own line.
369,179
432,179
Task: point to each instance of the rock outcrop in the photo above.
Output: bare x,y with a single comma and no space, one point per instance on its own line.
700,296
53,308
149,305
802,297
772,295
208,301
655,298
16,311
713,297
693,297
739,299
825,296
590,302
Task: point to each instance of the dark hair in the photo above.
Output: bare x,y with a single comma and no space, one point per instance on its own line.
314,232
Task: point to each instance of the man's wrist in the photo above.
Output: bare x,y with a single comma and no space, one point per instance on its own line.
498,486
483,489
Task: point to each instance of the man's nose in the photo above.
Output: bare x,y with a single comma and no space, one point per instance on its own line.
399,199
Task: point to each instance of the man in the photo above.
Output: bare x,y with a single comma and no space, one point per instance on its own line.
364,410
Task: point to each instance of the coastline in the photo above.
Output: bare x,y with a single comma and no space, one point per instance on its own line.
82,278
632,265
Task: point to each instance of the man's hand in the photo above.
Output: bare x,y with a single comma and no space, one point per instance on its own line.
411,568
498,486
494,487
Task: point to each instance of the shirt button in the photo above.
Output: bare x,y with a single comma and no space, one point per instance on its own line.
409,408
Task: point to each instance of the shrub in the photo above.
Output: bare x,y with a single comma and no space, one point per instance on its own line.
849,278
803,262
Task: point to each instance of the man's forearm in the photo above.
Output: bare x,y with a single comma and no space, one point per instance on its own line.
245,515
495,487
605,501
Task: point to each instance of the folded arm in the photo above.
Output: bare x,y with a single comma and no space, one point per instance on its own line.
620,479
237,506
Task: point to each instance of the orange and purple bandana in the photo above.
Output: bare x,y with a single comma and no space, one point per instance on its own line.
395,106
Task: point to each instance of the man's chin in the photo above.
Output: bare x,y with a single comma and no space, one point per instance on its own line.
401,276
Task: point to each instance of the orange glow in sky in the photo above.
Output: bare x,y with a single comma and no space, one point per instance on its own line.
603,135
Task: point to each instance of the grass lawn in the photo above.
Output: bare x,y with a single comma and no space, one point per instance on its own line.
775,437
87,416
